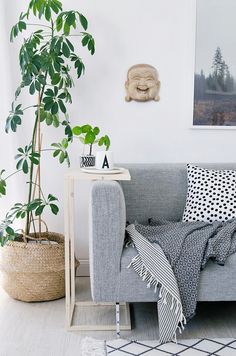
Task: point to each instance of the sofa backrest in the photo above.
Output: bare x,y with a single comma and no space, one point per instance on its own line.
159,190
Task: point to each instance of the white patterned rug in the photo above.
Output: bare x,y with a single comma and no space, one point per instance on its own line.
196,347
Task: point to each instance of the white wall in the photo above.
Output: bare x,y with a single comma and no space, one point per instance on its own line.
158,32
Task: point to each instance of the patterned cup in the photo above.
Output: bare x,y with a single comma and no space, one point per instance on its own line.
87,161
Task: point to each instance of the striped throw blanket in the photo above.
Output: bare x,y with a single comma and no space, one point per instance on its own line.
153,267
170,258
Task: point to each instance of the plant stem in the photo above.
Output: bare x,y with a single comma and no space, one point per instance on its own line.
33,225
28,221
27,226
74,36
37,185
39,151
52,28
13,174
37,24
90,149
28,107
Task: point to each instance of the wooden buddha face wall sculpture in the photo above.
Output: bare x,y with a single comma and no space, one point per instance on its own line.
142,83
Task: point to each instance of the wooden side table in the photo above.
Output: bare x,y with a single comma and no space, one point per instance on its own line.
71,303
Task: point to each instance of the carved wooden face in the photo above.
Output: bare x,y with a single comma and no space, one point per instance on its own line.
142,83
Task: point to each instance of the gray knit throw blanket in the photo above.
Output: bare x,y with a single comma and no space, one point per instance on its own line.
171,256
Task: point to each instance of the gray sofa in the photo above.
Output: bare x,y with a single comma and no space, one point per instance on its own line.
155,190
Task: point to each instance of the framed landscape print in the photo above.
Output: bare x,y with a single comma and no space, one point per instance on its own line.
215,66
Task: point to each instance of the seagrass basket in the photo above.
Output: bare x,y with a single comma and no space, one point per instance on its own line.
34,271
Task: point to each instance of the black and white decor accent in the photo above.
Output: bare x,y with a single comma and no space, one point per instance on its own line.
207,347
104,160
211,195
191,347
87,161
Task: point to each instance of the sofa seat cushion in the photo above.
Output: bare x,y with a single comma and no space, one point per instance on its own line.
217,283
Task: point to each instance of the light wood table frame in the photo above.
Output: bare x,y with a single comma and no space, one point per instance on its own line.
71,177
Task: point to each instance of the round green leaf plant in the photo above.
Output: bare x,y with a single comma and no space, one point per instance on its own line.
47,58
88,135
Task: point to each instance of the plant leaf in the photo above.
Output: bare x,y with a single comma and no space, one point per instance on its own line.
70,18
48,13
54,109
86,128
52,198
77,130
62,157
89,138
101,141
32,88
2,187
10,231
39,210
56,122
66,29
54,209
83,21
25,167
64,143
59,23
56,79
66,50
62,106
85,40
70,45
33,205
48,105
96,130
56,153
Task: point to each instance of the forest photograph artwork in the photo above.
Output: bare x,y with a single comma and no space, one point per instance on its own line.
215,68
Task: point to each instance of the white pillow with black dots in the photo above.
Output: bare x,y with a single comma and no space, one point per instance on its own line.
211,195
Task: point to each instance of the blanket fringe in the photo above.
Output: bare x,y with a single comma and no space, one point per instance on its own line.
92,347
151,280
132,261
155,289
129,244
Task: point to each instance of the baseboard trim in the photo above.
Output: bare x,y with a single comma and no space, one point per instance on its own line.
83,269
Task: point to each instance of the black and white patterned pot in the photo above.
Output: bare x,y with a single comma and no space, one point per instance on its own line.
87,161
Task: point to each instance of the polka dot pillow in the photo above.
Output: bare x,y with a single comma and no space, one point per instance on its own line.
211,195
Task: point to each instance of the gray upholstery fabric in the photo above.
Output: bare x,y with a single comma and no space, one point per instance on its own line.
159,190
106,240
154,190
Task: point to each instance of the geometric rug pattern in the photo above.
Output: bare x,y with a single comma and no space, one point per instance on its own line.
197,347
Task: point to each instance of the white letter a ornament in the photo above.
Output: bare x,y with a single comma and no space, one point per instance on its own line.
105,163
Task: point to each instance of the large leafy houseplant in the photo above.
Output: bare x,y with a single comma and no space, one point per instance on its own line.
46,58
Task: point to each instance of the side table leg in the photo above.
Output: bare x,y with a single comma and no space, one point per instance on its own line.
118,320
72,242
67,252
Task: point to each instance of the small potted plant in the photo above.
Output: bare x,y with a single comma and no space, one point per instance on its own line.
89,136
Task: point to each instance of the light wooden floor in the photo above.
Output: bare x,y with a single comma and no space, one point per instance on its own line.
37,329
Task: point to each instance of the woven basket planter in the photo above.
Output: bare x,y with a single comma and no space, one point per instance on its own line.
33,272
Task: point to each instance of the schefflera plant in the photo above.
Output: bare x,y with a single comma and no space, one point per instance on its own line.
46,59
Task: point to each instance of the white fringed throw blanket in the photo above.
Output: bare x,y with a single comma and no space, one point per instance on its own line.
153,267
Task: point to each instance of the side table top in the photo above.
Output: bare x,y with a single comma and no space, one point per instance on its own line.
78,174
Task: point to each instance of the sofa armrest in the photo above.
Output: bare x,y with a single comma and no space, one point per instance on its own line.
106,238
